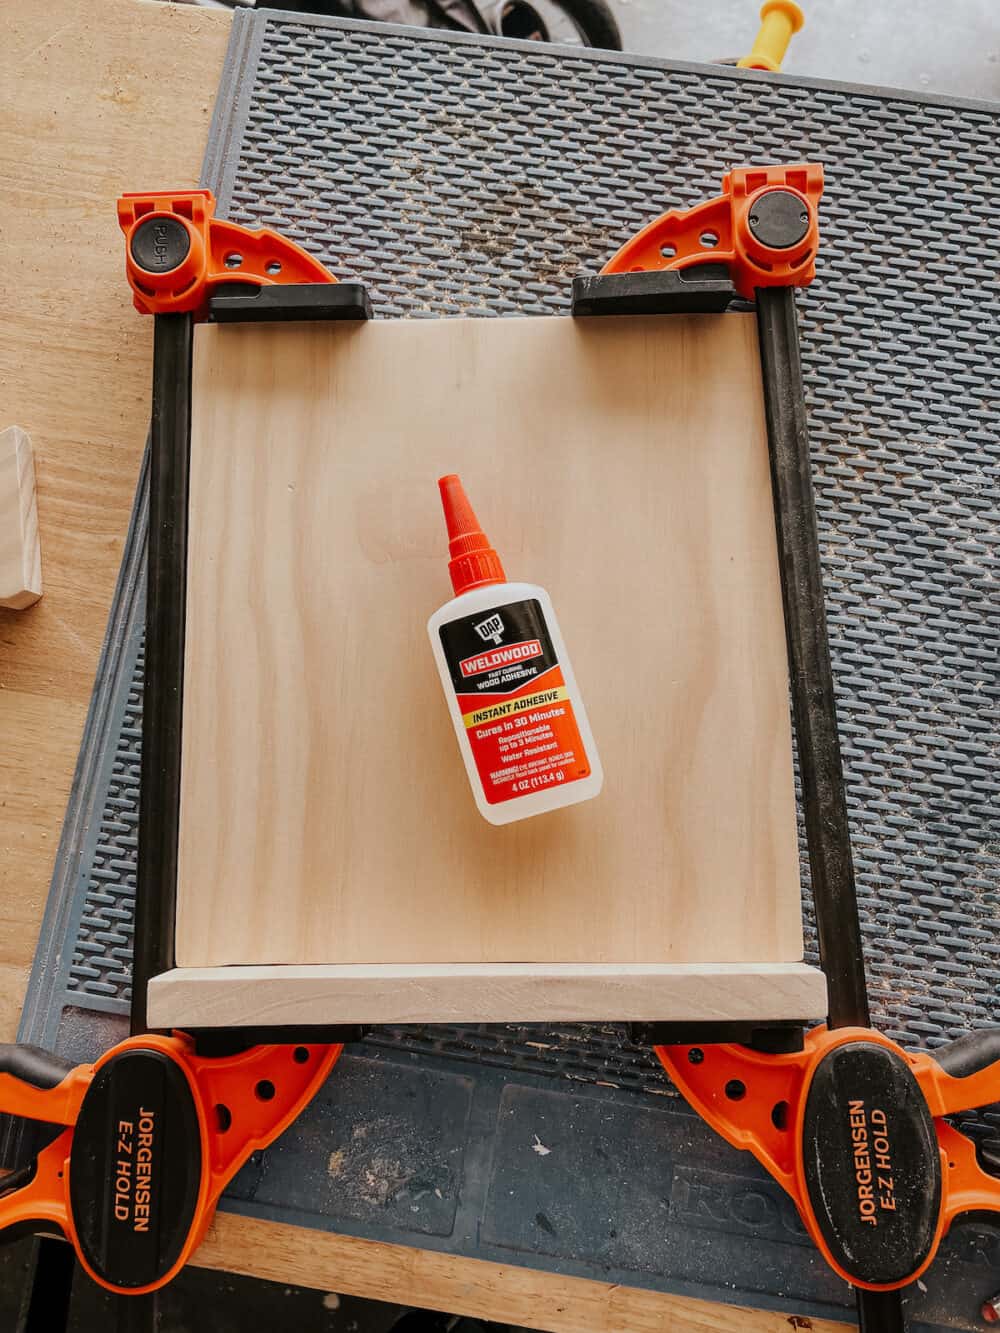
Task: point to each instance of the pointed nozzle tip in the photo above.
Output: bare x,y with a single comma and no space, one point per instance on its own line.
474,562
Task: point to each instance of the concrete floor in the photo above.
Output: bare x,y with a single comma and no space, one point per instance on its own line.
950,48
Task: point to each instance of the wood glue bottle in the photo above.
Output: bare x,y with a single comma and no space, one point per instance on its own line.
521,724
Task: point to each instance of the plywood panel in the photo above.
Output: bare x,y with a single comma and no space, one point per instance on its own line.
20,552
209,997
326,816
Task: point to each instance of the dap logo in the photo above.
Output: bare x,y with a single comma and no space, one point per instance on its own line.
490,630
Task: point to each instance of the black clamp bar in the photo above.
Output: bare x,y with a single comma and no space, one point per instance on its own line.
814,706
163,683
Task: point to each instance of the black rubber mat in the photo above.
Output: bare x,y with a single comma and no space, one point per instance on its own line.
466,176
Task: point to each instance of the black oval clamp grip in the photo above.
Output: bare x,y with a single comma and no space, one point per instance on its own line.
969,1054
872,1163
39,1069
33,1065
135,1168
965,1056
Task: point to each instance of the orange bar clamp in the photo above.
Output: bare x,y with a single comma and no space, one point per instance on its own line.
153,1134
763,226
177,252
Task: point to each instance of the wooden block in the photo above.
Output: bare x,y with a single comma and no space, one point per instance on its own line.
20,552
326,816
485,993
440,1280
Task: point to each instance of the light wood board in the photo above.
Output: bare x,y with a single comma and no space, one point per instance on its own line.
200,997
20,551
326,816
434,1280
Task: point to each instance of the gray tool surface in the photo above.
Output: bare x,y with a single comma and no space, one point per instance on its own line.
468,176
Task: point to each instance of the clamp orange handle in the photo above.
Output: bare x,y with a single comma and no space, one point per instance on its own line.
177,252
759,1104
764,227
853,1128
242,1103
154,1133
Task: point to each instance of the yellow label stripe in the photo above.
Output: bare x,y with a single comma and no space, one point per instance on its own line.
495,712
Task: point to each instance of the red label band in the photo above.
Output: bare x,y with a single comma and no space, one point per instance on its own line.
500,657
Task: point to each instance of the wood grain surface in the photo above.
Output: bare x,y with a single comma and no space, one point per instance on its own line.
472,1287
202,997
94,99
326,815
20,552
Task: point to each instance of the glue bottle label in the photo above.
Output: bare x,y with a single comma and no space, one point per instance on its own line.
513,699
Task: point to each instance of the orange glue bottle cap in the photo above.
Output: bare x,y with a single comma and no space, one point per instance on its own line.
474,563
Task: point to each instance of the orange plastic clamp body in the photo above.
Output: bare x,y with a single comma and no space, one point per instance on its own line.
293,1075
218,252
230,1082
752,1123
773,1081
718,232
